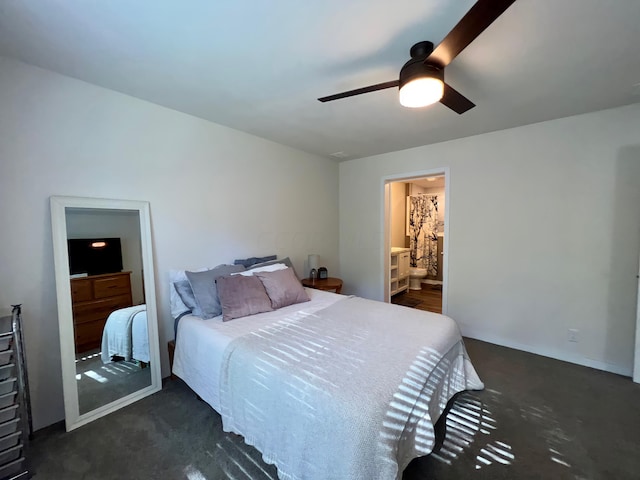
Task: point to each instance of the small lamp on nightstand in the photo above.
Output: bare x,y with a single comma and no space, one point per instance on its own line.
313,260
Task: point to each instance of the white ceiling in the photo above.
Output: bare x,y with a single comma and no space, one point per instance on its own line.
260,66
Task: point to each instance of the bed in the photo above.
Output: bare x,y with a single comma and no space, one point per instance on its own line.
338,387
125,335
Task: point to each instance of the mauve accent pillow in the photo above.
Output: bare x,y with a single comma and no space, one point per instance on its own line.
241,296
204,288
283,287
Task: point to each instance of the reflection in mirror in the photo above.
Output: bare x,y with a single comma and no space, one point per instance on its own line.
106,303
109,313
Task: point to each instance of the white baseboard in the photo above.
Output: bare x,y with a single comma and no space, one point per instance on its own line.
546,352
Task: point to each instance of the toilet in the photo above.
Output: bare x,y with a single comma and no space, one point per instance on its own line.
415,277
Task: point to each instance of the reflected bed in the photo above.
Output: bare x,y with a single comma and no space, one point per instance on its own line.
338,381
125,335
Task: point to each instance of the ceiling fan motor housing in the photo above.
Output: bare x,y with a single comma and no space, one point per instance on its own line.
416,68
421,50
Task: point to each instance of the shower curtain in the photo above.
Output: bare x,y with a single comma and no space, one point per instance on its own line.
423,232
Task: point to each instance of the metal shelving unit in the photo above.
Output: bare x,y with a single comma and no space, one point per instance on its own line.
15,405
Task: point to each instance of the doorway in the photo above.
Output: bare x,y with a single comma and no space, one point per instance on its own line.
416,239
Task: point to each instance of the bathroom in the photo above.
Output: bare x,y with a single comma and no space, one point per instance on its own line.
416,233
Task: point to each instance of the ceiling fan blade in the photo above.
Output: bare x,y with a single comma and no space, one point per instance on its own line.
481,15
455,100
359,91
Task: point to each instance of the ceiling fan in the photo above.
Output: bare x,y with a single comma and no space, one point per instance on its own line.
421,79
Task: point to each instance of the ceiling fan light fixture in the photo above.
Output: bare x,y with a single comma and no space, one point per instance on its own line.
421,92
421,84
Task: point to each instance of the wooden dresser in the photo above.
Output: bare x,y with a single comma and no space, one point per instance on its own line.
93,299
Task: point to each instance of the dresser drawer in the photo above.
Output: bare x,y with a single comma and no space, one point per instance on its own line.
94,298
111,286
81,290
99,309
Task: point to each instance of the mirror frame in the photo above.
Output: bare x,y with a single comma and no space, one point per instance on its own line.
59,204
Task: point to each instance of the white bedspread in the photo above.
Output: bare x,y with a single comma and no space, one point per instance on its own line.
200,344
351,392
125,335
348,396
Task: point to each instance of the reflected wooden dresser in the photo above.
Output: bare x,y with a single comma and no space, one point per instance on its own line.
93,299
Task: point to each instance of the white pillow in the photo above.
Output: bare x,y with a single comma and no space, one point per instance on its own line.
268,268
177,305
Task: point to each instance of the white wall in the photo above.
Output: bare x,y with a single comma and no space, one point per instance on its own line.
544,233
215,193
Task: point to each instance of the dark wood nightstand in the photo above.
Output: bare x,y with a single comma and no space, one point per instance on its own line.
327,284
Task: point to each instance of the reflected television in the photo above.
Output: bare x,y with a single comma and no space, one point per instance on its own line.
94,256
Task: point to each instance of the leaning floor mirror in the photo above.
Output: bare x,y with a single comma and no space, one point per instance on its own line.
106,305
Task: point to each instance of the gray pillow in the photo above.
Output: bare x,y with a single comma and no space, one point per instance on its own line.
183,287
247,262
241,296
284,260
283,287
204,288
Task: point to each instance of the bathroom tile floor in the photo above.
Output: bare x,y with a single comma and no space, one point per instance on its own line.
429,298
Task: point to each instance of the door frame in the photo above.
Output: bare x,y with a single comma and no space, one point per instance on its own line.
386,227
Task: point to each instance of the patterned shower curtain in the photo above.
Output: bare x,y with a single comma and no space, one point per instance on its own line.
423,232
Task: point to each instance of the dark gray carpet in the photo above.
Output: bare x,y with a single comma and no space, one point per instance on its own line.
537,419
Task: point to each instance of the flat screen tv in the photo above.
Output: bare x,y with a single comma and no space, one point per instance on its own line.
94,256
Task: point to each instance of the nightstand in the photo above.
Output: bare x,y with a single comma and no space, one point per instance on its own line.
327,284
